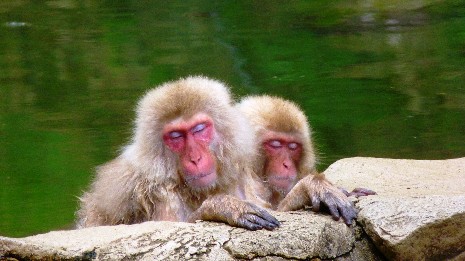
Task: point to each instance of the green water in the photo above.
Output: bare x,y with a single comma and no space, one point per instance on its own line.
376,78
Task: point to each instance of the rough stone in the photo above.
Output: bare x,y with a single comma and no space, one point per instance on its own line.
419,212
303,235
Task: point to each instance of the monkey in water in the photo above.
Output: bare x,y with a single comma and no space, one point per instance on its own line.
189,159
286,160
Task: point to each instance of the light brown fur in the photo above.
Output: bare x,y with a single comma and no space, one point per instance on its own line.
144,182
271,115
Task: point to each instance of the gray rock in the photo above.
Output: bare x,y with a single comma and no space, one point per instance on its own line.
302,235
419,212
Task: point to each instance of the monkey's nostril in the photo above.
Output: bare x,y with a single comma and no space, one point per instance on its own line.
195,159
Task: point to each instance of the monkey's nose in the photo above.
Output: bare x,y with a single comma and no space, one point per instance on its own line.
196,159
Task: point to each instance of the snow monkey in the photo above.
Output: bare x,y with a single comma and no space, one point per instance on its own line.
189,159
286,161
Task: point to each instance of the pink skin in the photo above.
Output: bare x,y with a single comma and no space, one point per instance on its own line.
283,154
191,140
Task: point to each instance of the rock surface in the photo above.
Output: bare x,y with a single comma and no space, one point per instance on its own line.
419,212
303,235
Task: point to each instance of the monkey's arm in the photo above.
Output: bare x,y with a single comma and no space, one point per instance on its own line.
109,200
314,190
235,212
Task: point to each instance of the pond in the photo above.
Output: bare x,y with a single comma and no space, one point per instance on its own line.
376,79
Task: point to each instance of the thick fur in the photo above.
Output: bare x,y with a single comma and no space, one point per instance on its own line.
273,114
269,113
143,183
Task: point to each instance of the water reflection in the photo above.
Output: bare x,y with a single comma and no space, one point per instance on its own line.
381,79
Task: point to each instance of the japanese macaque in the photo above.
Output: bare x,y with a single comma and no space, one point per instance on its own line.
189,160
286,160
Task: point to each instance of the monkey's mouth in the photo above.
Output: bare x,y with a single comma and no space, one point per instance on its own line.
201,180
281,182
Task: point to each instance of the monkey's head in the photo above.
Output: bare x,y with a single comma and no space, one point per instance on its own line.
284,140
191,126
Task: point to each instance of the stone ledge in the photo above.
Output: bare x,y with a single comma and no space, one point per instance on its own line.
303,235
418,214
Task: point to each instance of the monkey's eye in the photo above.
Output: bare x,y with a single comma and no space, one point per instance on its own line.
199,127
175,134
293,145
275,144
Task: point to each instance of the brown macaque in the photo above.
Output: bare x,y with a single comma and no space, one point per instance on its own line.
188,160
286,161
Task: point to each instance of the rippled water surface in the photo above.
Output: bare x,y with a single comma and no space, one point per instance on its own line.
376,78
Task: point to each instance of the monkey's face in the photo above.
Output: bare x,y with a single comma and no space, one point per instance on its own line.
191,140
283,153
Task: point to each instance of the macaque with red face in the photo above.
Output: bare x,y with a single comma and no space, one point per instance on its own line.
286,160
188,160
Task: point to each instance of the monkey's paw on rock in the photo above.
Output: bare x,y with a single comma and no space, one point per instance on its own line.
417,214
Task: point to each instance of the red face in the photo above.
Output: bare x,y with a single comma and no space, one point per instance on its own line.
283,153
191,140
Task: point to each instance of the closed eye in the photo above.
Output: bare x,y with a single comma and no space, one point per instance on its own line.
275,144
293,145
175,134
199,127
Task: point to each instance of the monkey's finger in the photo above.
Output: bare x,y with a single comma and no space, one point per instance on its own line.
262,213
348,213
343,190
360,192
357,194
316,203
244,223
365,191
260,221
334,212
333,209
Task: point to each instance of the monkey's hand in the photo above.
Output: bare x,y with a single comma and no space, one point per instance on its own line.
235,212
315,190
358,192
